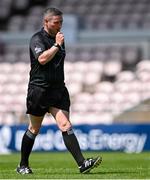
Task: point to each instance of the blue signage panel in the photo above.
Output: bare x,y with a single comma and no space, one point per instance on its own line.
133,138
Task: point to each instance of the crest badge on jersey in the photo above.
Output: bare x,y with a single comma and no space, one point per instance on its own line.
37,50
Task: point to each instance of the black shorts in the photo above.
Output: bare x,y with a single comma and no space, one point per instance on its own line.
40,99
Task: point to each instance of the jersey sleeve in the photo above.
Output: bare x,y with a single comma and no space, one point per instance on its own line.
37,46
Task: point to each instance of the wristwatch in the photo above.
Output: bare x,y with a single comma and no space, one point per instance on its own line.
57,45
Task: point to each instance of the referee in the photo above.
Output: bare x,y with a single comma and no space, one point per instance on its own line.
47,92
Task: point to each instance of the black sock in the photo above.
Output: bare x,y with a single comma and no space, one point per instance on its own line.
26,147
72,145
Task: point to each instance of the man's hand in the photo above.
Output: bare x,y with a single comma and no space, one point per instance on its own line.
59,38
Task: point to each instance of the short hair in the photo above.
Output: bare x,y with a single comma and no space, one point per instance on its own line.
52,11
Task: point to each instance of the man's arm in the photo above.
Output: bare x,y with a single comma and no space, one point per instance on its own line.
48,55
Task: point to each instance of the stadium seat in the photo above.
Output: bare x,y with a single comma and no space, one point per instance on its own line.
143,65
112,67
125,76
104,86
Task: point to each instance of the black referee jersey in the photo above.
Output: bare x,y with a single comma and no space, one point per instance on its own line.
52,73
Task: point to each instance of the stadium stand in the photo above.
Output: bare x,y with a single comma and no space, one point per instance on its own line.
104,80
97,14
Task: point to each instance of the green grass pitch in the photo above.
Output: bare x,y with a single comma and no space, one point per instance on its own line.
60,165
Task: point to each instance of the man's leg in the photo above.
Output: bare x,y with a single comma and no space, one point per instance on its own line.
28,142
70,140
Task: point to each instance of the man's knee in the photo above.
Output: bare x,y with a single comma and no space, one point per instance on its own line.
35,124
64,126
34,130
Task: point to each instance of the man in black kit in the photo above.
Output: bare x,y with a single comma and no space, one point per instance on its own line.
47,92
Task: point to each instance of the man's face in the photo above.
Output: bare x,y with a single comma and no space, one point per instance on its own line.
53,24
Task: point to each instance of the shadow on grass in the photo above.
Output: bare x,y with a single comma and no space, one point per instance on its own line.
91,173
114,172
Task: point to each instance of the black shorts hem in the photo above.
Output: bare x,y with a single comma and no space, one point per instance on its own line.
35,114
63,109
42,114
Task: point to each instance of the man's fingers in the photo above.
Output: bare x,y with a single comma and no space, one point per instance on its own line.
59,33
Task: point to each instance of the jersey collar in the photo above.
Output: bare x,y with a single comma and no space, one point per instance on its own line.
46,34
